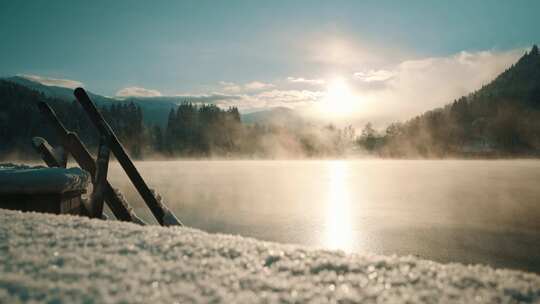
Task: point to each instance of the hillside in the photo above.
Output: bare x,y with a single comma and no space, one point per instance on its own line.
20,120
155,110
500,119
279,116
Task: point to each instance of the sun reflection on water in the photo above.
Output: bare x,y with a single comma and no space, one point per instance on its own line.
338,227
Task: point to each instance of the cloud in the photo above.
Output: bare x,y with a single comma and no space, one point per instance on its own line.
291,97
213,98
252,101
306,81
374,75
415,86
400,91
231,87
57,82
397,92
137,92
257,85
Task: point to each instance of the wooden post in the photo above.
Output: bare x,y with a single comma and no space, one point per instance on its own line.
162,214
73,145
100,178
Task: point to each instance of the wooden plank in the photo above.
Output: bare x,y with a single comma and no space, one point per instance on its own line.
44,202
101,178
158,209
73,145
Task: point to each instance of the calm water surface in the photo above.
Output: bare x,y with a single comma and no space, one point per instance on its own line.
451,211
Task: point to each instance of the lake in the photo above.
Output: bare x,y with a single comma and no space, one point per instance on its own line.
468,211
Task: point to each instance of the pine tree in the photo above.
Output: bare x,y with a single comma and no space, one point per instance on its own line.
534,50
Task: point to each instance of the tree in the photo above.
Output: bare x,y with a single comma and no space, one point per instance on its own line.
534,50
157,139
368,137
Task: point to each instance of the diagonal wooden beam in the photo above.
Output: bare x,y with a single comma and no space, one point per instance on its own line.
101,178
47,153
71,142
162,214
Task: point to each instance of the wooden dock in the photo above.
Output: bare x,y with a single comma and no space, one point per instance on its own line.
97,169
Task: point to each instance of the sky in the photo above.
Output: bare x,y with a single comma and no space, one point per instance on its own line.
344,60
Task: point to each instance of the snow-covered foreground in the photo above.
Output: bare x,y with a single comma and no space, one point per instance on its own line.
63,259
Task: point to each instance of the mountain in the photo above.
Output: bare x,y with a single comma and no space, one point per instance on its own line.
274,116
50,91
155,110
20,121
54,91
520,82
501,119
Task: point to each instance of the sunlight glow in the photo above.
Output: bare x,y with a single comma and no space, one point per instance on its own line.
339,99
338,232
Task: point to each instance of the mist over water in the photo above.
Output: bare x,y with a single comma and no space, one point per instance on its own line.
468,211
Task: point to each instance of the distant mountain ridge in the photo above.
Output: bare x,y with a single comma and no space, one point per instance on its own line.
155,109
49,91
274,116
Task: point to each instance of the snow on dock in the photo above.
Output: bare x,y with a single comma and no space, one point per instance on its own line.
65,259
16,178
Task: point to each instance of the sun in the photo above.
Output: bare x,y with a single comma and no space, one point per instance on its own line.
339,98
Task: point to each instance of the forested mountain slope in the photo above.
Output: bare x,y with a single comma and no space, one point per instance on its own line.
500,119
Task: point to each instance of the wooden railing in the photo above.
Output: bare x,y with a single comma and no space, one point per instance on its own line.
98,169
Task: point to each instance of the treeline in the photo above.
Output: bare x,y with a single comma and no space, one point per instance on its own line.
500,119
126,119
199,130
206,130
191,130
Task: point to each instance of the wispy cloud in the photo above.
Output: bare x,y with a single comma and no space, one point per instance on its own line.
291,92
374,75
397,92
302,80
213,98
252,86
259,100
58,82
414,86
257,86
137,92
293,98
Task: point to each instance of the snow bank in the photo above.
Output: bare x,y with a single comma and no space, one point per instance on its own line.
16,178
63,259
